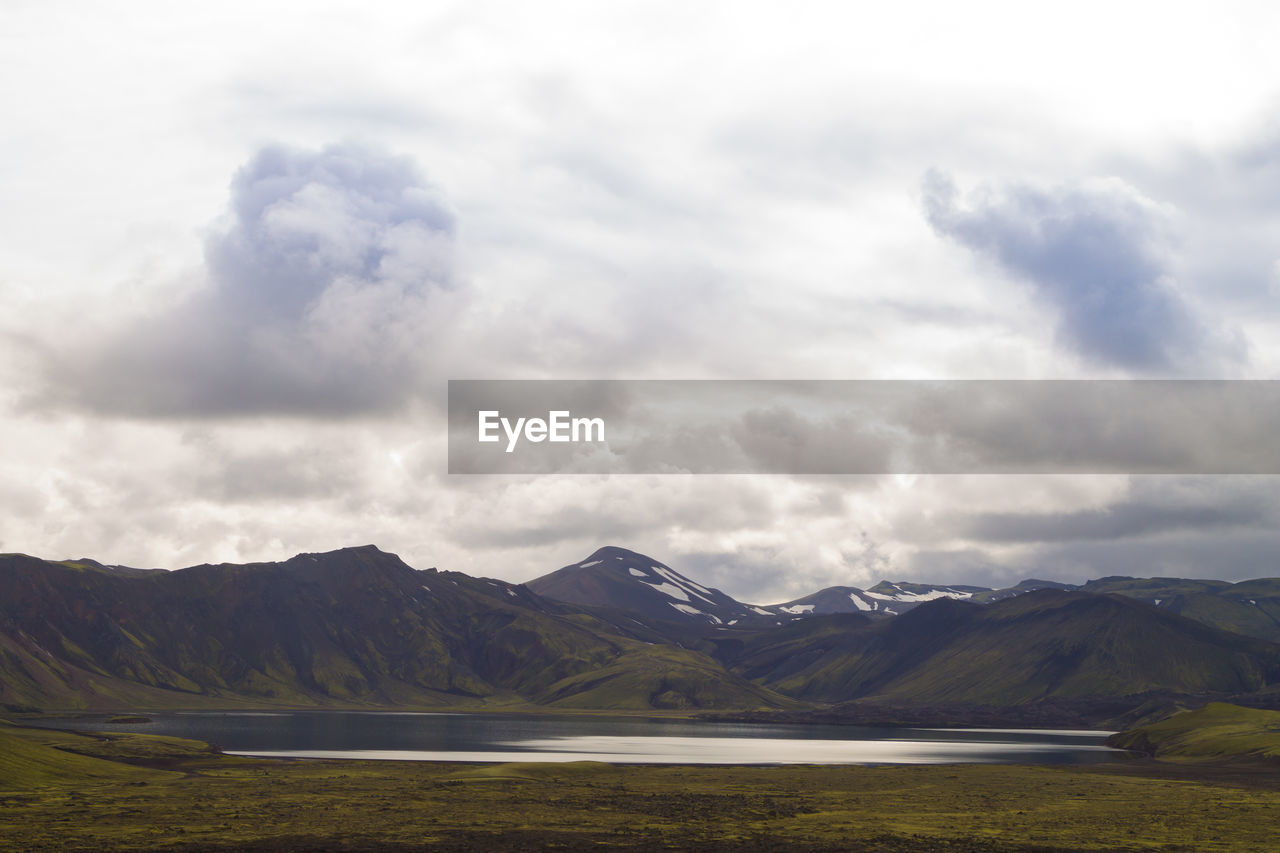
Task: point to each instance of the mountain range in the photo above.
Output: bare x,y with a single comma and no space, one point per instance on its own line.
358,627
617,578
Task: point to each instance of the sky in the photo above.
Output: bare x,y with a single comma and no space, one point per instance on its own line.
246,246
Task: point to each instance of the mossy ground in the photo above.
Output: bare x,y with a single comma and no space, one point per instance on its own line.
139,792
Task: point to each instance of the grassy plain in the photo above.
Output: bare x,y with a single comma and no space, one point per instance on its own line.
66,791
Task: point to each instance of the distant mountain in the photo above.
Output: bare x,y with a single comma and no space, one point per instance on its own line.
625,580
890,599
350,627
894,599
1047,643
833,599
1249,607
1020,588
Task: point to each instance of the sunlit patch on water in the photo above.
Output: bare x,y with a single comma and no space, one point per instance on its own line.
720,750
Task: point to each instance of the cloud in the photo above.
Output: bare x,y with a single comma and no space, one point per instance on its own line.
1100,255
1202,526
327,288
1122,521
1240,556
1149,507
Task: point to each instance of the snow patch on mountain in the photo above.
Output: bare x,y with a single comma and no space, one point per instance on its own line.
914,597
859,602
677,579
671,590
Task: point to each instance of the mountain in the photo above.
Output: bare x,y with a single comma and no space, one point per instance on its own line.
833,599
894,599
619,579
1047,643
350,627
889,599
1020,588
618,584
1250,607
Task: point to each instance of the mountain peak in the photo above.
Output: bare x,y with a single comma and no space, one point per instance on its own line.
627,580
356,559
365,551
614,552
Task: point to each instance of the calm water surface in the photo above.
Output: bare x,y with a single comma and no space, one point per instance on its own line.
503,737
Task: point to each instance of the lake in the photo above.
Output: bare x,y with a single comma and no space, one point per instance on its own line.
415,736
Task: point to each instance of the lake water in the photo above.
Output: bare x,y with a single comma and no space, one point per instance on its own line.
628,740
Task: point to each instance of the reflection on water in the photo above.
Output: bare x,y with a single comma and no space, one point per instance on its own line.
724,750
414,736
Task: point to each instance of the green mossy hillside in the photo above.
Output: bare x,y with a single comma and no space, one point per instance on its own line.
1216,731
35,758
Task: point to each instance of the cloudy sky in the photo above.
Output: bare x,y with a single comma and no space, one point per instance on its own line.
245,246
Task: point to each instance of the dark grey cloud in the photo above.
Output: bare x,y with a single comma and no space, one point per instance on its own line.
1121,521
1151,507
1100,255
1241,556
1206,527
327,289
967,566
1236,557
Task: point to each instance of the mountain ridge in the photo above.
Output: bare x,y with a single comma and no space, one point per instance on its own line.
353,626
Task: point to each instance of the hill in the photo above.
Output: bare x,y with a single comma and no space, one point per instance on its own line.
1216,731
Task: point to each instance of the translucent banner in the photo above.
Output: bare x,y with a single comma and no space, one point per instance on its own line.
863,427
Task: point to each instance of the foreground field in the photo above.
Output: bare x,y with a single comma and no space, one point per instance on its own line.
64,791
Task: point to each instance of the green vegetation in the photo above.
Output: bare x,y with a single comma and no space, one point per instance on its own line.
142,792
1250,607
1215,731
661,677
1042,644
